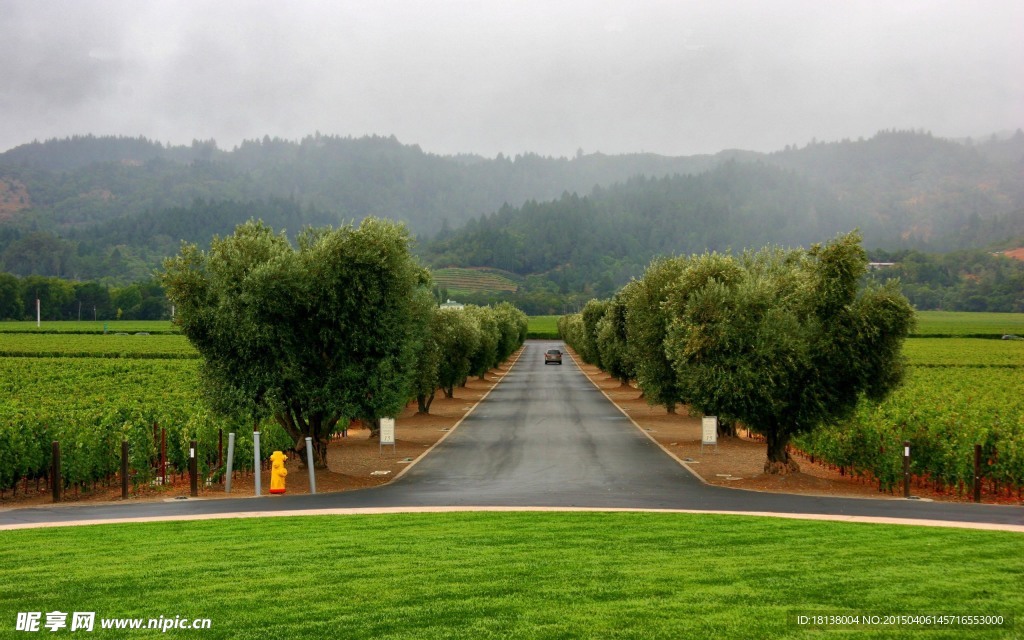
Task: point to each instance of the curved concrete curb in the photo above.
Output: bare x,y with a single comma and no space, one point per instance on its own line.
363,511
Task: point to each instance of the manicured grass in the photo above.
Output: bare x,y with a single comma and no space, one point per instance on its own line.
967,323
543,327
519,575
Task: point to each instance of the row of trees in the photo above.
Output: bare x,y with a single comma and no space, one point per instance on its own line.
457,343
782,341
342,326
61,299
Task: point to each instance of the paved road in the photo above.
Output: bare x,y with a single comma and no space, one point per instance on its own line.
544,437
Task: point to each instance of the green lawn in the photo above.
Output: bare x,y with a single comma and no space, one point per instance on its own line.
520,575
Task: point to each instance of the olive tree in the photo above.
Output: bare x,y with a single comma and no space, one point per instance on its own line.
512,328
486,355
592,313
786,341
457,335
612,339
424,379
311,335
647,326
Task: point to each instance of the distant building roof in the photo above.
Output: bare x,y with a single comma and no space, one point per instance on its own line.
451,304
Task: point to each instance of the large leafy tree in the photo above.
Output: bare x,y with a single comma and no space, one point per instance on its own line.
486,355
786,341
647,326
424,377
312,335
457,335
588,347
612,339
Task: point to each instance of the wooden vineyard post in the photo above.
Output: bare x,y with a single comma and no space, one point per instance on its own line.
124,469
977,473
55,472
163,456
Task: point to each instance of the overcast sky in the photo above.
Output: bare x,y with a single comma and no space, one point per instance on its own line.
486,76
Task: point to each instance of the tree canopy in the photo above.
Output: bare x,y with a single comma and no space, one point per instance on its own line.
782,341
311,335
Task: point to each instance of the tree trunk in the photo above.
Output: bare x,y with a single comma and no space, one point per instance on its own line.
423,402
449,392
319,452
779,462
726,428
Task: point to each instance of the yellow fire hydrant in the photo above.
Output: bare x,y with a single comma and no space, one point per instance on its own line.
277,472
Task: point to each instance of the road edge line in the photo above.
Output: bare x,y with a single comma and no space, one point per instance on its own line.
423,455
639,428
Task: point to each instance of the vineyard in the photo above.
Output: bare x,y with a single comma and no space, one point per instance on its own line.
962,323
964,352
462,281
153,327
93,345
959,393
91,404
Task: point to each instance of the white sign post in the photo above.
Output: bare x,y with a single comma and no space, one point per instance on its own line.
709,432
387,434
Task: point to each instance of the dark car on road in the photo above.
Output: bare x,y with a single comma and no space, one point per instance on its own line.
553,356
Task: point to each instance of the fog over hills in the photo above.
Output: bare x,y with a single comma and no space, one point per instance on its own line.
112,207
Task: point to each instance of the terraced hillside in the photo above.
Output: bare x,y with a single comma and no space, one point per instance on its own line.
460,281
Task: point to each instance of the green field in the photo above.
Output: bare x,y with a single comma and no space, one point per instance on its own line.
91,404
958,323
111,345
89,326
469,281
513,575
967,352
543,327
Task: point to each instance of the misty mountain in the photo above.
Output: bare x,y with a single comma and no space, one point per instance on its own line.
86,180
92,207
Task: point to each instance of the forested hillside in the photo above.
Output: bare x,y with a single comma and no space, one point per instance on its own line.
110,209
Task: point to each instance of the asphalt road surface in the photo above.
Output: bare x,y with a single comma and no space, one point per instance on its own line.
544,437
